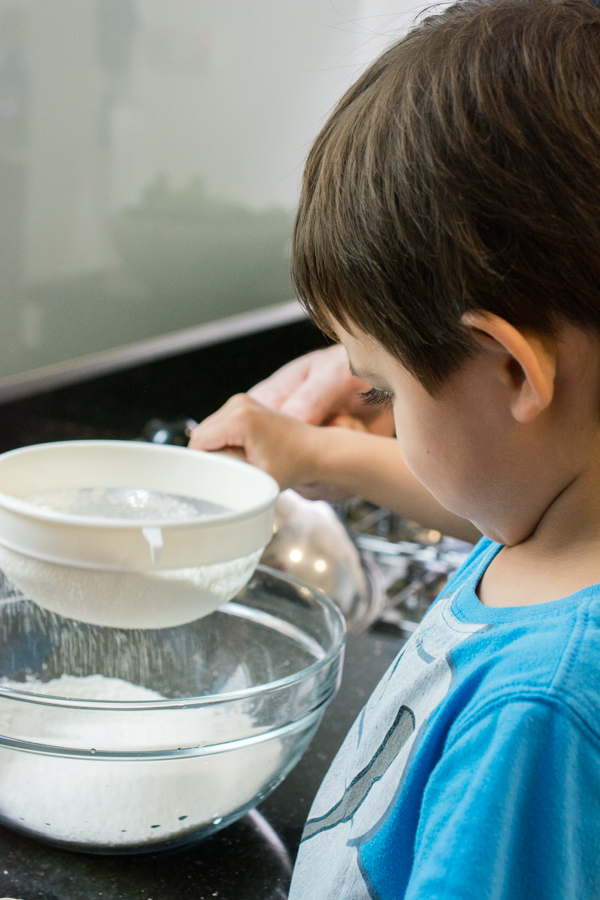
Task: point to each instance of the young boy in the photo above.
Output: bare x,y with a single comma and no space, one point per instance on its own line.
449,236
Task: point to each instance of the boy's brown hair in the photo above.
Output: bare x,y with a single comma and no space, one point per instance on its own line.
461,171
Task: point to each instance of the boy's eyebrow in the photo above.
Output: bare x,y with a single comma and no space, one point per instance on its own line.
364,376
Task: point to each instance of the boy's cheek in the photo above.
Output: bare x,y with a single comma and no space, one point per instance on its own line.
418,452
436,461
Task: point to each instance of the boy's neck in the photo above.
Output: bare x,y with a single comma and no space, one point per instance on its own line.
561,557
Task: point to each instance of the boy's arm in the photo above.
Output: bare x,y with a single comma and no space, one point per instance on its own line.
510,812
297,454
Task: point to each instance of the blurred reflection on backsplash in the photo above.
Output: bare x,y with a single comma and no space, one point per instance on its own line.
150,159
202,251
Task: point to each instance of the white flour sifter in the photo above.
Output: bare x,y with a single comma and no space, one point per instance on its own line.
131,535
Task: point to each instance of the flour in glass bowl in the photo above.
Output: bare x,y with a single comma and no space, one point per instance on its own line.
110,803
91,687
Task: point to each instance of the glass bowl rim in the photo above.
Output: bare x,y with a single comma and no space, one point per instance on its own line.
339,636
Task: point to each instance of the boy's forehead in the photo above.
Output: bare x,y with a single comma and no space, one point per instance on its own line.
358,344
367,357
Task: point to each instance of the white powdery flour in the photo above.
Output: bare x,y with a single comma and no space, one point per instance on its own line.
91,687
126,503
94,801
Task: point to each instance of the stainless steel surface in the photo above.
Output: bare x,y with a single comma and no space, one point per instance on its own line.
375,565
312,544
414,563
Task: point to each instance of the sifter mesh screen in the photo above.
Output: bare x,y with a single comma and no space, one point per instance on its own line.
138,504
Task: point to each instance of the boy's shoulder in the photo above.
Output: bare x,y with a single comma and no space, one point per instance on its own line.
472,691
546,653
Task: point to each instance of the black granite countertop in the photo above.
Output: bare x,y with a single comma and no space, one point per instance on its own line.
250,860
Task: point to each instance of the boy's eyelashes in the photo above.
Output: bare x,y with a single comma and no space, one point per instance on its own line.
376,398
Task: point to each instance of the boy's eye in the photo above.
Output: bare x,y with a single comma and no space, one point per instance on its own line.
377,398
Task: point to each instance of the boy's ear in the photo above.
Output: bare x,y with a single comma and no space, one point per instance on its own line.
529,364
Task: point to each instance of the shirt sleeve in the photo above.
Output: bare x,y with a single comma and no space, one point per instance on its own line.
511,811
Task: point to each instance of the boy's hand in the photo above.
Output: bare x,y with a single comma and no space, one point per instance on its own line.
297,455
318,388
279,444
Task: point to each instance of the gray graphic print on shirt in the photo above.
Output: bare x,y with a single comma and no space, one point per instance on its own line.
359,787
364,782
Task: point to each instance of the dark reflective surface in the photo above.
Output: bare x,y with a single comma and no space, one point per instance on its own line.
246,861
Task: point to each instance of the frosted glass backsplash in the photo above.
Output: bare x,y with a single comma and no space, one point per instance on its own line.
150,159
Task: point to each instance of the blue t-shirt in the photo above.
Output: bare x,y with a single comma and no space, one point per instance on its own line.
473,773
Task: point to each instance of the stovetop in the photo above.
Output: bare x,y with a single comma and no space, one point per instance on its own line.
414,563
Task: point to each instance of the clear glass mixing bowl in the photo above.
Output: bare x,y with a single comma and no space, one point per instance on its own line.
244,691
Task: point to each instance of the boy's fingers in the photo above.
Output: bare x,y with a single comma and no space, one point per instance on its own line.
313,401
325,393
275,390
324,390
236,452
277,444
231,426
311,388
